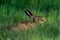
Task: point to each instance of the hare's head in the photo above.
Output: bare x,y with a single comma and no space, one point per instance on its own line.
37,19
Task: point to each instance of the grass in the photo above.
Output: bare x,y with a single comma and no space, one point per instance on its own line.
47,31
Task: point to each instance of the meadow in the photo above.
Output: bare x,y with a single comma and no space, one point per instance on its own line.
13,11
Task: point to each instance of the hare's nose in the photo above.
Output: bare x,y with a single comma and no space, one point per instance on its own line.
42,19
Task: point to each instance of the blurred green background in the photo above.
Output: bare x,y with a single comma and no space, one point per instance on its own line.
12,11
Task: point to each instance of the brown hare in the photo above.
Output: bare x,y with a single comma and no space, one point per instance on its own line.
25,25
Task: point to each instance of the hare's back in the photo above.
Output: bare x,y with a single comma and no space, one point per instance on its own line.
19,26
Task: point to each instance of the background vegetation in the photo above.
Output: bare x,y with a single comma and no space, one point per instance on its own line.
12,11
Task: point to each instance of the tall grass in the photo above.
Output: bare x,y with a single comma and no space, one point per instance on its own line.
47,31
32,4
12,11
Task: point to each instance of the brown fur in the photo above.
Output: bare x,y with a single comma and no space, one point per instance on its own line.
25,25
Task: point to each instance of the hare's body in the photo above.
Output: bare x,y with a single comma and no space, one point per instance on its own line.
23,25
28,24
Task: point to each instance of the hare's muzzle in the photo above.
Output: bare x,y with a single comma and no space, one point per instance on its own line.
43,19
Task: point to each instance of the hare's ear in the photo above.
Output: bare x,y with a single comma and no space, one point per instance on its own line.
29,13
